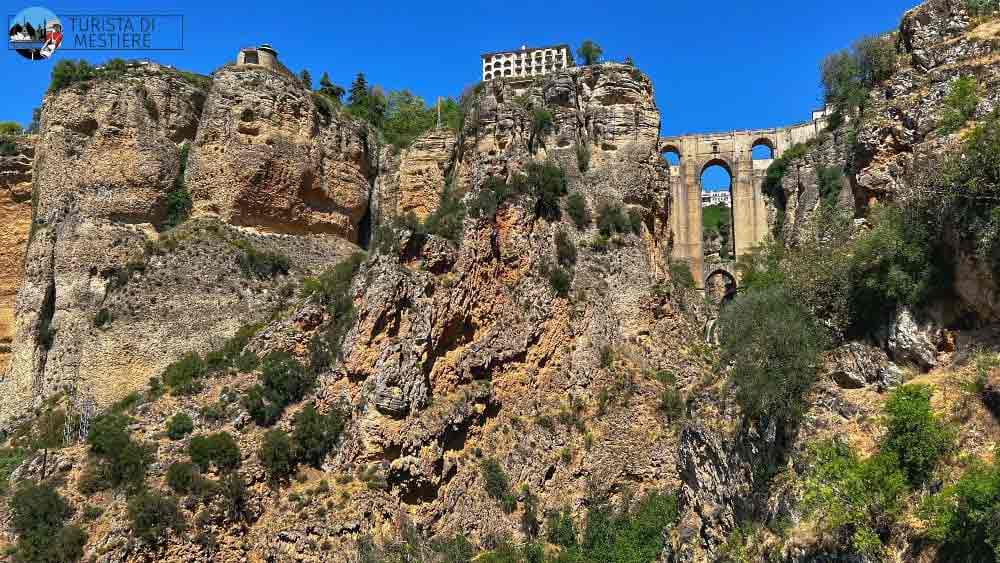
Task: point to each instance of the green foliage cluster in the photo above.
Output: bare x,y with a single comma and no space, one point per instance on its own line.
218,451
121,461
631,534
183,376
576,207
332,290
611,219
182,476
565,249
66,73
179,425
960,104
314,435
848,76
497,484
407,117
8,129
914,434
283,381
545,181
981,8
179,201
965,517
10,459
38,515
857,501
542,123
680,275
773,342
152,515
261,264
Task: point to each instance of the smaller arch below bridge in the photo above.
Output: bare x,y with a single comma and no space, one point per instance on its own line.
720,284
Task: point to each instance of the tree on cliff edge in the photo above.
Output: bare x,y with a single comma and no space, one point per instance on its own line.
590,52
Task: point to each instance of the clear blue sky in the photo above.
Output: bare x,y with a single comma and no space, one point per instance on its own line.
728,64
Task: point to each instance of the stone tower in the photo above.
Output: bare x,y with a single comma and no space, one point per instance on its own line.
263,55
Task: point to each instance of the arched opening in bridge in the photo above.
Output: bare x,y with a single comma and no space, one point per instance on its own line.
720,286
672,156
762,149
718,244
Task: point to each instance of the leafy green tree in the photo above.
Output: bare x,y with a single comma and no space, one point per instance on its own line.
590,52
66,73
407,117
773,344
914,433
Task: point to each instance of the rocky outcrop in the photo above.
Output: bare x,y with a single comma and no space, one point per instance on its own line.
15,208
266,157
856,365
802,183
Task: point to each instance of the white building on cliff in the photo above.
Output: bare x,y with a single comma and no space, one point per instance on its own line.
527,62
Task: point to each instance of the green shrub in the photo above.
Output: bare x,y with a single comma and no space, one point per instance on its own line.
233,496
10,128
124,461
152,515
855,500
315,434
589,52
10,459
560,281
66,73
547,182
915,434
218,450
102,318
582,156
773,344
179,425
611,219
447,219
181,477
38,515
576,206
7,147
830,181
565,249
262,264
960,104
182,376
630,535
276,456
541,124
672,404
179,201
964,517
497,484
560,530
332,288
981,8
680,275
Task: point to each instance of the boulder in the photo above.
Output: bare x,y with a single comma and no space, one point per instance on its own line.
856,365
909,342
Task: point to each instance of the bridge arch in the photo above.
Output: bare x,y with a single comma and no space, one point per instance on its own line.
671,154
720,285
763,148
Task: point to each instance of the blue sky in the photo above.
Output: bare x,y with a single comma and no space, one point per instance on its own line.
728,64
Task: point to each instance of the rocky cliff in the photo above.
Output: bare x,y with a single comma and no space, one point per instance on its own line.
15,207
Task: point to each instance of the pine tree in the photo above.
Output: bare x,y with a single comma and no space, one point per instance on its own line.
359,91
306,78
330,89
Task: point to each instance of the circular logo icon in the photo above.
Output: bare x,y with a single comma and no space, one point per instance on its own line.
35,33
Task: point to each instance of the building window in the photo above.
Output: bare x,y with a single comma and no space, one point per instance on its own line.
250,58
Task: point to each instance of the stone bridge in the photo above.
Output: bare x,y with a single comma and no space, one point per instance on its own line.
733,151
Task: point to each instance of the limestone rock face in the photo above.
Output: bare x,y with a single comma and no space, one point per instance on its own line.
911,342
15,209
265,157
422,169
856,365
105,159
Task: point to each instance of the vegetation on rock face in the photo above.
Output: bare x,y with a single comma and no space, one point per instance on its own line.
848,76
960,103
914,434
179,201
964,517
332,290
217,450
284,381
38,516
153,514
576,207
773,342
497,484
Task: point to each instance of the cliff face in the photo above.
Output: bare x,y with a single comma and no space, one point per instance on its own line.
108,158
264,157
15,208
